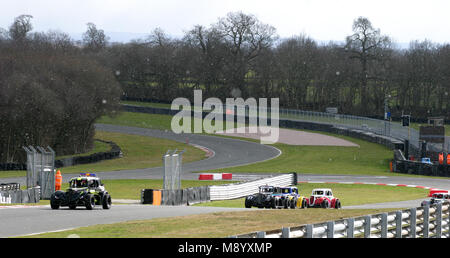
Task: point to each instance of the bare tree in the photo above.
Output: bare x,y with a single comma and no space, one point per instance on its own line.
21,26
94,39
245,37
366,45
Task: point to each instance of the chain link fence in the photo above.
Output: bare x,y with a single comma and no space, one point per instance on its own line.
172,162
41,170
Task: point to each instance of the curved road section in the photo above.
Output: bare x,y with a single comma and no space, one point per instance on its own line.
228,152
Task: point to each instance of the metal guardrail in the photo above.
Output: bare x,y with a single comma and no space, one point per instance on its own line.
423,222
239,190
377,126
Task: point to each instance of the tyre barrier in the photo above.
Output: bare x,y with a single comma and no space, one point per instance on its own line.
31,195
401,165
188,196
113,153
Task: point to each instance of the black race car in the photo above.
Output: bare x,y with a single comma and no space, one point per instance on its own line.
85,190
263,199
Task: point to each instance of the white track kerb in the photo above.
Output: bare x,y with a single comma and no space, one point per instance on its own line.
257,113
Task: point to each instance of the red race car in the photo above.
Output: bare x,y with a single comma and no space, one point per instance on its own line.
323,198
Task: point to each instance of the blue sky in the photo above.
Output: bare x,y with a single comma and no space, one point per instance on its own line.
323,20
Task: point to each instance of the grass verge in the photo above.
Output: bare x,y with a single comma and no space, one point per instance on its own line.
349,194
213,225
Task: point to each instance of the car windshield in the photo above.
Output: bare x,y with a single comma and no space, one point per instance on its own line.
317,193
77,183
438,196
266,190
284,190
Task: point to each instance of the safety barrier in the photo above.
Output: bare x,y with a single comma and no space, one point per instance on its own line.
113,153
9,186
239,190
31,195
423,222
201,194
188,196
401,165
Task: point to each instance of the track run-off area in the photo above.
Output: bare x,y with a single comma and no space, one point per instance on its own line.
224,152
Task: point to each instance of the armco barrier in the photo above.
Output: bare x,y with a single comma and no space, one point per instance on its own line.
188,196
31,195
201,194
423,222
239,190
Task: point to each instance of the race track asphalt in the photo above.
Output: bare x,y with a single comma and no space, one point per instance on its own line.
17,221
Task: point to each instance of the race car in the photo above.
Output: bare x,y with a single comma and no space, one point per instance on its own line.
262,199
85,190
288,197
323,198
436,198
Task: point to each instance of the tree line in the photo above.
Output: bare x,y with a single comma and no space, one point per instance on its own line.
241,56
53,88
52,92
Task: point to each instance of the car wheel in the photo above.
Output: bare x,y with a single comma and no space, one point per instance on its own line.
324,204
89,202
54,203
337,205
273,203
286,203
106,201
293,203
247,204
305,204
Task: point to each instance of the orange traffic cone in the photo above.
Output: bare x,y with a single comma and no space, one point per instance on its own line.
58,180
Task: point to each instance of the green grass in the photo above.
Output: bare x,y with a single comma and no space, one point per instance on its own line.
369,158
150,121
214,225
366,194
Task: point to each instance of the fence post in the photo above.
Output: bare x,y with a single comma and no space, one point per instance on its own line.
426,221
350,227
438,220
261,234
330,229
309,231
398,224
285,232
413,222
384,225
367,221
